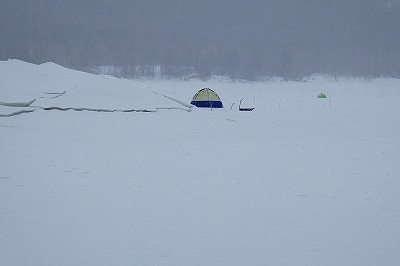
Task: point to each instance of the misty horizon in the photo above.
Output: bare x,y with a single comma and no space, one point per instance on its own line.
237,38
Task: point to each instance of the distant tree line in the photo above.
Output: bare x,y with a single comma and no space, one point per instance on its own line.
182,38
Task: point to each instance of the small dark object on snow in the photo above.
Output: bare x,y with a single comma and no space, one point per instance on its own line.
249,109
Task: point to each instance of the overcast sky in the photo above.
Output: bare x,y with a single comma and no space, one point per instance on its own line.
98,32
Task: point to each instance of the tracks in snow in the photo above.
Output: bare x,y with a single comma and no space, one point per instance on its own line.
52,95
17,113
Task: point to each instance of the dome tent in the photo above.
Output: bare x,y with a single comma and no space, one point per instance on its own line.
206,98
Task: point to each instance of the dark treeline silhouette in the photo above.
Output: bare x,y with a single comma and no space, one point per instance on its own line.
247,39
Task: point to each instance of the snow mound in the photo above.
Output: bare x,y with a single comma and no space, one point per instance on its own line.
54,85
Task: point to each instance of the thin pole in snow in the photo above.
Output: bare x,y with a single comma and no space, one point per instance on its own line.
208,95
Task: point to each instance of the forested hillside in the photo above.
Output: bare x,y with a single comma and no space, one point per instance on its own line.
237,38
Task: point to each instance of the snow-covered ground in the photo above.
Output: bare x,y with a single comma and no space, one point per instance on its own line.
298,181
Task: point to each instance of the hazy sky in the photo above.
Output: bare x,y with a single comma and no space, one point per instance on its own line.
79,32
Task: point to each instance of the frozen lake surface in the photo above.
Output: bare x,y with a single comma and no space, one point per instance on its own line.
298,181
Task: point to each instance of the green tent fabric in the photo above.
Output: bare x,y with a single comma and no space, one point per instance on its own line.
207,98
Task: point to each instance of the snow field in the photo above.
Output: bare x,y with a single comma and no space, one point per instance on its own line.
298,181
